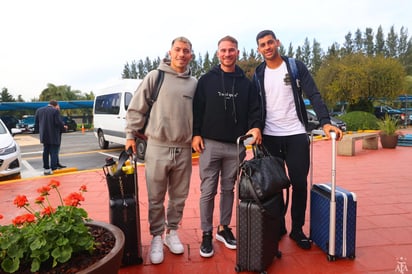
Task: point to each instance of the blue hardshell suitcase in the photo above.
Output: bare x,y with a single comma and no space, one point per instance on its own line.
333,216
345,224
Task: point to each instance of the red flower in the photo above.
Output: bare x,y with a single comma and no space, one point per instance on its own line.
39,200
83,188
20,220
21,201
54,183
44,190
48,211
73,199
1,216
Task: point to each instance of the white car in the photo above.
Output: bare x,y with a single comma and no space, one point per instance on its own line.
10,156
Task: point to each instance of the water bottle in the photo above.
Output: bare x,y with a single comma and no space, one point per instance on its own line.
110,165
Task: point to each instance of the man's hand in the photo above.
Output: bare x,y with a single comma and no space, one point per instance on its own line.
130,143
197,144
257,136
327,128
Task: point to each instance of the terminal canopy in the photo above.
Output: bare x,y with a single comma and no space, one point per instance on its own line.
35,105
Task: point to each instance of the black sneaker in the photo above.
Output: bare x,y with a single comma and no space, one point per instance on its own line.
301,240
206,248
226,237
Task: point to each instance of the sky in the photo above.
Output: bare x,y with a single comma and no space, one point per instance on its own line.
85,44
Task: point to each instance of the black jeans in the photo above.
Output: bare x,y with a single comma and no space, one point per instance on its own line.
294,150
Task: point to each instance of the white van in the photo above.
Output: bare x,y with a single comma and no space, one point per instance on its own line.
109,113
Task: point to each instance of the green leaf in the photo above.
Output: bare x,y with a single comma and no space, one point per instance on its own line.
10,265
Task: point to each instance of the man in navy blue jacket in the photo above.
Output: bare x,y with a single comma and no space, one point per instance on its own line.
286,123
225,107
49,126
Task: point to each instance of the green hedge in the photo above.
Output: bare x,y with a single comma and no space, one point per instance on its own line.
359,120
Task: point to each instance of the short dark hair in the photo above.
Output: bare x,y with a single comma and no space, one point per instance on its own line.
182,39
263,33
229,39
53,103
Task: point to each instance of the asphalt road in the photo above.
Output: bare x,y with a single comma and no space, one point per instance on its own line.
78,151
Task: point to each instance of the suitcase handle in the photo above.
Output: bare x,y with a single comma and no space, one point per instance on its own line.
240,139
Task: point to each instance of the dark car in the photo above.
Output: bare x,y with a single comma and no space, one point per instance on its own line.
70,123
381,111
10,121
26,125
314,122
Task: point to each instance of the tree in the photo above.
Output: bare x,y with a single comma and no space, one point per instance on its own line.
6,96
358,78
60,93
392,44
380,42
368,42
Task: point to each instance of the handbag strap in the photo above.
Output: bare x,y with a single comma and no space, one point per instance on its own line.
123,157
260,151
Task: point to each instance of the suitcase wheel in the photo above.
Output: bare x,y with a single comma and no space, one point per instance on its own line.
331,258
279,254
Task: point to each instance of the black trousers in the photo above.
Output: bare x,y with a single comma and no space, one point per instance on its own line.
294,150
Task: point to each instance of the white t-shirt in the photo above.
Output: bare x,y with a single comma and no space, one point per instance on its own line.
281,116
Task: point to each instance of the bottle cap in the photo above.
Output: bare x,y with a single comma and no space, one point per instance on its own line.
110,161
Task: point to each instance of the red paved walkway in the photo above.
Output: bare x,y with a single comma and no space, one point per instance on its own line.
380,178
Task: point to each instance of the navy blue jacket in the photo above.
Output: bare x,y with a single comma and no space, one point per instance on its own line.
308,87
49,125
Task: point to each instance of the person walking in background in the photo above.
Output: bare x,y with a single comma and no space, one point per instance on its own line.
225,107
49,126
168,154
285,131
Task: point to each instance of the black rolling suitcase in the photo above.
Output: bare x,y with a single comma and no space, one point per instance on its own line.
124,205
257,230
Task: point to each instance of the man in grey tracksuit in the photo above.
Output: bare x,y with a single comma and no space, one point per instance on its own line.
168,154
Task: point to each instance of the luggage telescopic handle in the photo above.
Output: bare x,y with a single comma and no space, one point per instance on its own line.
240,139
332,217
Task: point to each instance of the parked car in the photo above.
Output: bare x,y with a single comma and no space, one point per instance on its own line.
10,157
70,123
10,121
408,114
381,111
26,125
315,124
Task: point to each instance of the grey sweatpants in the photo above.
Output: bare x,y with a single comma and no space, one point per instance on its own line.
167,170
218,158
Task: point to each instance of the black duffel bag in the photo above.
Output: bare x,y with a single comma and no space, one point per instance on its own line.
265,175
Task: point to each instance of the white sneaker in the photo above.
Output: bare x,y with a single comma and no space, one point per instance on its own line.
173,243
48,171
156,250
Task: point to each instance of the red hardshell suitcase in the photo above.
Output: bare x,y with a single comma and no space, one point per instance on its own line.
258,232
333,215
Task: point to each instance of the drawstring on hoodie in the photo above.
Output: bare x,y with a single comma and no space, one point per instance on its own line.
233,96
172,153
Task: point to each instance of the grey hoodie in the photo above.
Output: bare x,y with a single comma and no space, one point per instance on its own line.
171,117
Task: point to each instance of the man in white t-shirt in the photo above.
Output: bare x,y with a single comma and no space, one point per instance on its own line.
285,118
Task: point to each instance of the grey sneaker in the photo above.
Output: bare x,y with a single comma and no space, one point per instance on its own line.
172,241
156,250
